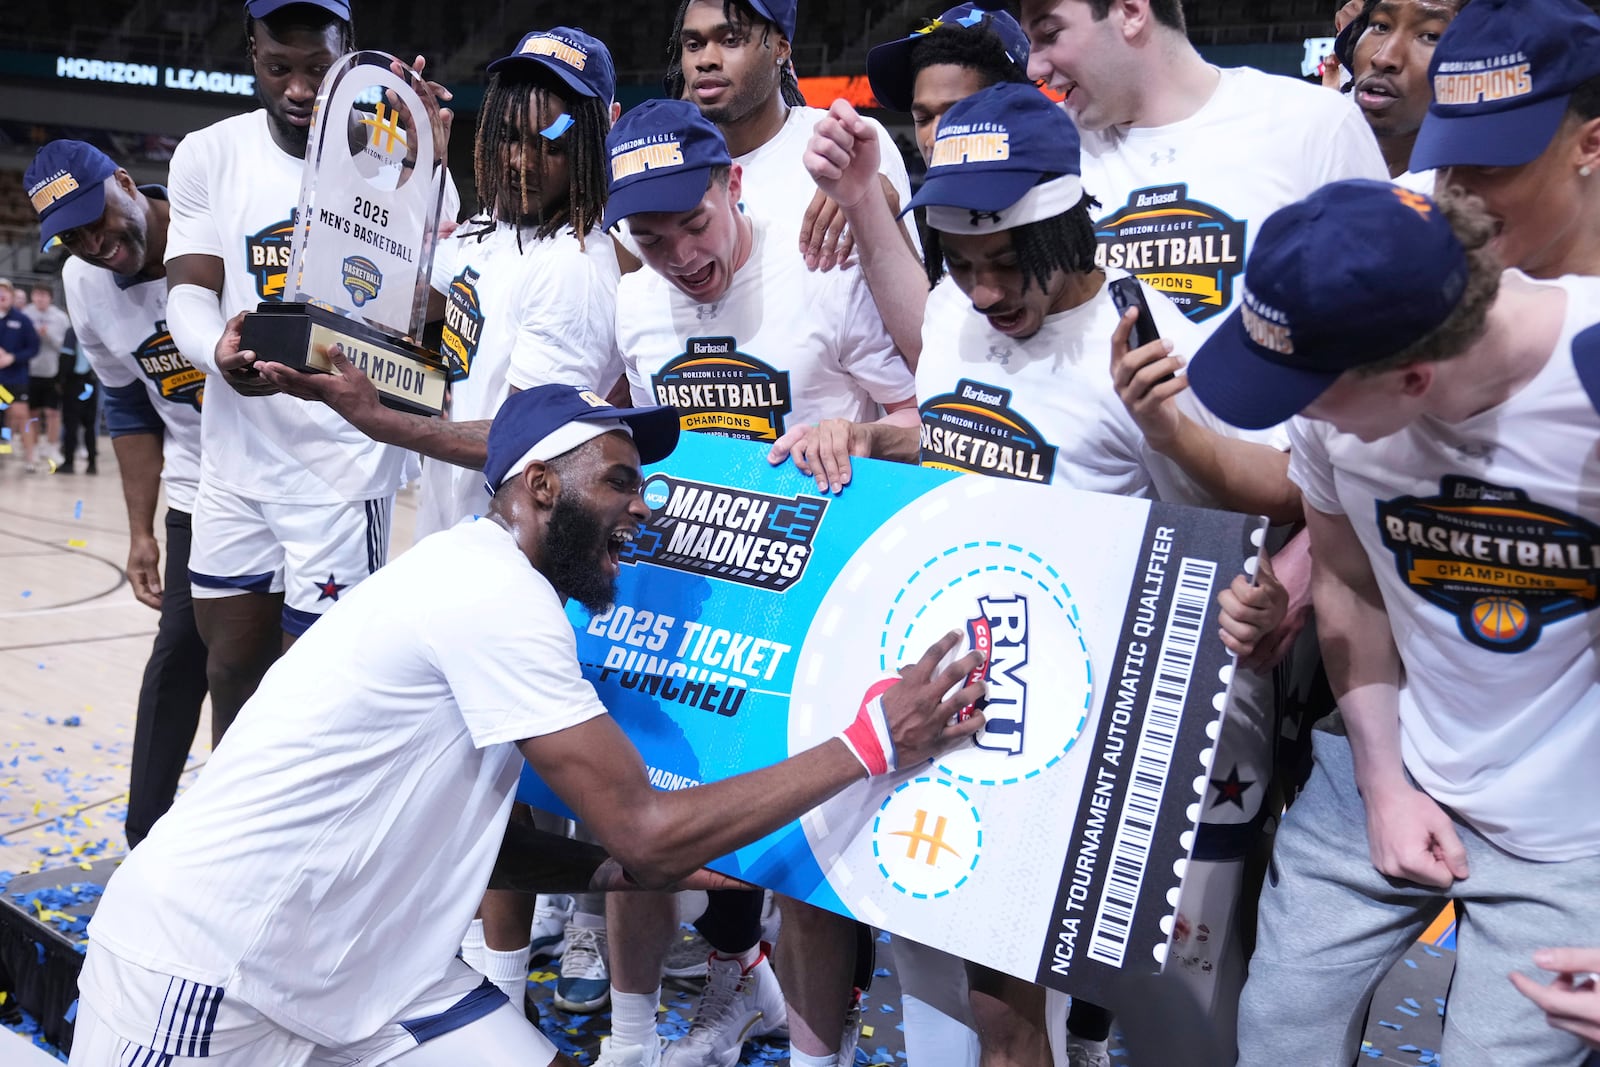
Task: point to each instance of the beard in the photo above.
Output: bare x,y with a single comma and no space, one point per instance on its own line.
574,545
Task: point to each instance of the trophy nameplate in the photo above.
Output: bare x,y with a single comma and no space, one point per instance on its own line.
364,236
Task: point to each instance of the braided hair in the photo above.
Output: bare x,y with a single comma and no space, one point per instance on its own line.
1062,243
976,48
735,11
506,124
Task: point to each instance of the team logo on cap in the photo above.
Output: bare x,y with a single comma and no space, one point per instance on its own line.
53,188
557,49
1483,81
361,278
754,539
1503,565
267,253
974,430
718,389
634,157
980,142
463,324
1190,250
176,379
1267,327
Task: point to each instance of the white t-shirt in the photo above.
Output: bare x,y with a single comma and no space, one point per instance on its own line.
777,185
51,326
516,316
1180,205
122,331
1418,181
783,347
327,862
1484,538
233,191
1044,409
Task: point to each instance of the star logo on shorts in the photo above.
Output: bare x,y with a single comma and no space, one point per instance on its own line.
329,590
1230,790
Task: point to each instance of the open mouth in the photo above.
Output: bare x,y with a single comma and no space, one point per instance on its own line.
1005,322
699,280
705,90
1376,94
614,545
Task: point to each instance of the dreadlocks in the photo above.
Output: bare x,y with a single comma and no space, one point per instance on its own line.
1062,243
735,11
506,131
976,48
299,17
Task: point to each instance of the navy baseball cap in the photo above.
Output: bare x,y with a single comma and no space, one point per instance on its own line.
550,420
992,150
578,59
662,154
889,64
1353,274
781,13
67,184
1503,76
260,9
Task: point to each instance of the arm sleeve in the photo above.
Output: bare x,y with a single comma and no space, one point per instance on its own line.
194,315
1311,467
129,411
866,352
512,678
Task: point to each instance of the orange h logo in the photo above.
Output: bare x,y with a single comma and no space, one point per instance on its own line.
1415,201
386,129
918,836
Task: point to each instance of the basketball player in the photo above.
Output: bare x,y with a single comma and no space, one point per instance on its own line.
1444,456
302,903
731,59
1533,158
116,235
724,282
1023,302
294,503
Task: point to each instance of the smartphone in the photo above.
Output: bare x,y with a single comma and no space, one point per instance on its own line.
1128,293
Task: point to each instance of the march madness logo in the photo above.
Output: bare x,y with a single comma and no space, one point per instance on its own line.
1000,633
974,430
753,539
463,324
718,389
267,252
1190,250
1503,565
176,378
361,278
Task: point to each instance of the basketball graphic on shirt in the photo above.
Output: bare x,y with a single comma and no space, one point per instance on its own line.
1500,618
719,389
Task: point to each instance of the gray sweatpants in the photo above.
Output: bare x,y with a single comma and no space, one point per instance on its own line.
1331,927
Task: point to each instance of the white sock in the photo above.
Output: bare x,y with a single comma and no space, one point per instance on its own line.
472,946
805,1059
509,971
747,958
633,1017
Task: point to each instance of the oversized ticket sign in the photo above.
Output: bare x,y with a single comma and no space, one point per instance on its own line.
365,230
753,614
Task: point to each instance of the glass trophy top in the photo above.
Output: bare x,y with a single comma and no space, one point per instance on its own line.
370,197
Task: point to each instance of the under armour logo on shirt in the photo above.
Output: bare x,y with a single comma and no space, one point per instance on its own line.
980,217
1156,160
999,355
707,311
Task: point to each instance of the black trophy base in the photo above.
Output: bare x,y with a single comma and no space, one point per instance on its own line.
407,377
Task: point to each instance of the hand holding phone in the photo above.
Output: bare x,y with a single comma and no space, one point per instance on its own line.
1128,293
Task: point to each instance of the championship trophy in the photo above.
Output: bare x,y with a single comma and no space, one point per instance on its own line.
364,236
